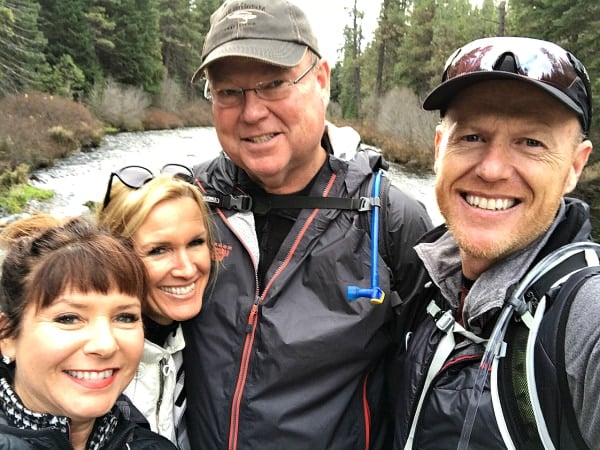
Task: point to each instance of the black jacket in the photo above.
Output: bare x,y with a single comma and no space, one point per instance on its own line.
446,402
126,436
294,364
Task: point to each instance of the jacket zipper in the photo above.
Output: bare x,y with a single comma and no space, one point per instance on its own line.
241,380
161,388
252,323
367,414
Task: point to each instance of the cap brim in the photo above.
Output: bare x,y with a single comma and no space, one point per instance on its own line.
441,96
277,53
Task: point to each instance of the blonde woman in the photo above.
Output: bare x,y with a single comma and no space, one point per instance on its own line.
169,223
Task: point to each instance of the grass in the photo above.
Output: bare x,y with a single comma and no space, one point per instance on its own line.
16,197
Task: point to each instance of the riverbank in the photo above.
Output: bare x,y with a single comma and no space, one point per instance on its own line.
36,130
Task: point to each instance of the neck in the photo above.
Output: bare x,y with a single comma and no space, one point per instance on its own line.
80,433
295,179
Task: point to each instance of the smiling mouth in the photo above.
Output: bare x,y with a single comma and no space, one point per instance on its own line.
178,290
90,375
490,204
261,139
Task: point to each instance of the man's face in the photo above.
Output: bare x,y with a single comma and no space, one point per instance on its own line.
506,153
277,142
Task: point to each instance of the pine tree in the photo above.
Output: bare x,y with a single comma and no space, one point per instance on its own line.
65,26
181,35
22,62
350,95
132,55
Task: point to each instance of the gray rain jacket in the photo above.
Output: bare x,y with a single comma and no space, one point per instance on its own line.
297,366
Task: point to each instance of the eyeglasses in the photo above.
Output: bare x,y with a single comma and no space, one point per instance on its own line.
535,59
134,177
265,90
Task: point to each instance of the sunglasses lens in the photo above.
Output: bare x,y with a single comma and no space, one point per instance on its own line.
534,59
178,171
134,177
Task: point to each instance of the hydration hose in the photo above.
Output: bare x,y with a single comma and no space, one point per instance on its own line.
374,293
515,303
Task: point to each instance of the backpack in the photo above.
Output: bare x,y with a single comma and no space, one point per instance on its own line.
533,411
370,202
538,411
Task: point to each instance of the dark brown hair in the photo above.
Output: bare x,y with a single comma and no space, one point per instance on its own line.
45,258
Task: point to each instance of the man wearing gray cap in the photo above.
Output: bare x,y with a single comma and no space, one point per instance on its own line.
507,351
283,356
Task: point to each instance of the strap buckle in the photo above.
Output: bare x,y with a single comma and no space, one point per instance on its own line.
367,203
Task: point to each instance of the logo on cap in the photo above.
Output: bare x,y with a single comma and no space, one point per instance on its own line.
242,16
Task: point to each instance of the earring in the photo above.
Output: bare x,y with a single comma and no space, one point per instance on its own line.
6,359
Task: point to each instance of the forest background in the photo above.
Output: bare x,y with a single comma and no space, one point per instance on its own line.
72,70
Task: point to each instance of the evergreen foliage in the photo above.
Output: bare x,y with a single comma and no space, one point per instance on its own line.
69,46
414,38
22,61
69,35
135,58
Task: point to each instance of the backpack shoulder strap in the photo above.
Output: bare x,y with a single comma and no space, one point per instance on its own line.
365,191
551,374
531,412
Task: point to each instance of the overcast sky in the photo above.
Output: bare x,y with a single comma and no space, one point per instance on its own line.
329,17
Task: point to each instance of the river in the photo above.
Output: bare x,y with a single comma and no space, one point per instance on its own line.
82,177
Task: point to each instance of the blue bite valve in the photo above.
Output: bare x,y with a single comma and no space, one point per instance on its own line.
374,292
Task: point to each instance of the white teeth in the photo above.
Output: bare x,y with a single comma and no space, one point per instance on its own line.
261,139
493,204
87,375
178,290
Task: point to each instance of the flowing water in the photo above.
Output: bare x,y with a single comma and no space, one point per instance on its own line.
82,177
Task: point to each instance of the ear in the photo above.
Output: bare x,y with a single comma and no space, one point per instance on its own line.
437,143
580,158
7,345
324,75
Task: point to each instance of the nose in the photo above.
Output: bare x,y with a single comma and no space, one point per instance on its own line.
101,340
254,108
495,163
184,266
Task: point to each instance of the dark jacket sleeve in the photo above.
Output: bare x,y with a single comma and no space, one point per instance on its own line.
407,221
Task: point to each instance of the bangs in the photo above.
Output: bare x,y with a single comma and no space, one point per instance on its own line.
93,266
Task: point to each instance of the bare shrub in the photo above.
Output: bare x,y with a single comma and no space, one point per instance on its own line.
159,119
401,115
591,172
119,105
63,136
170,96
24,123
19,175
196,114
334,111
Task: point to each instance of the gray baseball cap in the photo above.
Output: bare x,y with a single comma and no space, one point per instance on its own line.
273,31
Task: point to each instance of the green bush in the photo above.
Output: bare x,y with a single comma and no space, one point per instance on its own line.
16,197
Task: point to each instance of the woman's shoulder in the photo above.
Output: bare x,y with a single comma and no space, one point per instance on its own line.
137,436
143,439
13,438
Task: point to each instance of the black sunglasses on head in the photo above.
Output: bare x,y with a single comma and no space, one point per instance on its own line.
134,177
537,60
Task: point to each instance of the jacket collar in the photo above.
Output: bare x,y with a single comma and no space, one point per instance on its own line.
441,258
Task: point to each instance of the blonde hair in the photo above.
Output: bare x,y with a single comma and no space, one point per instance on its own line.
129,208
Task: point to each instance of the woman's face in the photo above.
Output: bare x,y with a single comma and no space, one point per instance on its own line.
75,357
173,244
